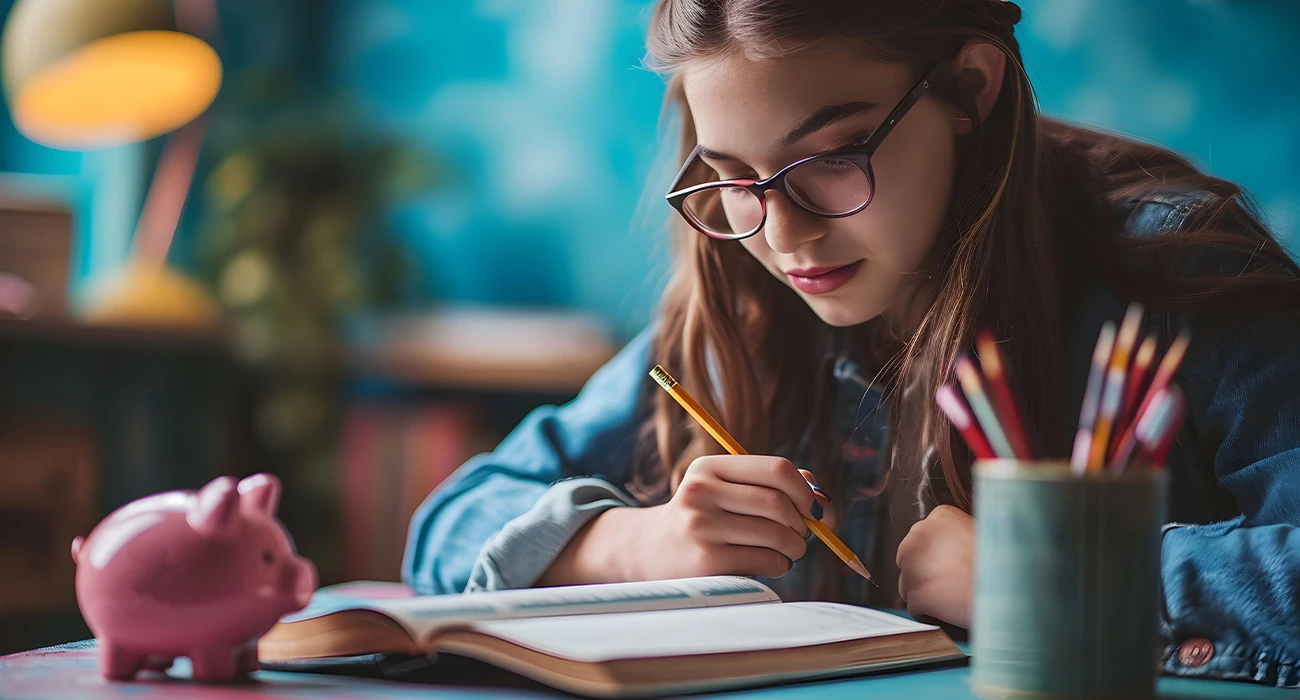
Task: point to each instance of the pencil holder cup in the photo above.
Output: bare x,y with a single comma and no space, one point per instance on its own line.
1067,581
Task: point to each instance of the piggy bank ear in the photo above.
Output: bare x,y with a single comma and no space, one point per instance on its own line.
260,493
214,507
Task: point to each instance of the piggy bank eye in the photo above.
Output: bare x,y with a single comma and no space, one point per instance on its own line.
268,558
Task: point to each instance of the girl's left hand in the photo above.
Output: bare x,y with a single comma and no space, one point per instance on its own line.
935,563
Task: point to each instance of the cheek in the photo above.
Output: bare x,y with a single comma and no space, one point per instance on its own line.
757,247
914,180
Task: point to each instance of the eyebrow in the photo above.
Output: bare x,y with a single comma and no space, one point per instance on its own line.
817,121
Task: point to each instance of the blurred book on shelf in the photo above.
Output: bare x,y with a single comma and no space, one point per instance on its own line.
453,381
392,457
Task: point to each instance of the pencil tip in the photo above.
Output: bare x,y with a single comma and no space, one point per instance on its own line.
862,571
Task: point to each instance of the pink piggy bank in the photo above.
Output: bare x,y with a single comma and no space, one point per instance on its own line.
198,574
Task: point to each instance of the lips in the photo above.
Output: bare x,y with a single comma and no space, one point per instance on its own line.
822,280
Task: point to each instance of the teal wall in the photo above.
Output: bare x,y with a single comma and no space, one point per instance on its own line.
546,124
1213,79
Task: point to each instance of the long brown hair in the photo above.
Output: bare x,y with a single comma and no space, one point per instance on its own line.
1031,193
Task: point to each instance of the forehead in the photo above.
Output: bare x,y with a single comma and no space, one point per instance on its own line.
741,105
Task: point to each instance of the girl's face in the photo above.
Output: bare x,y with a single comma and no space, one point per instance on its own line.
852,269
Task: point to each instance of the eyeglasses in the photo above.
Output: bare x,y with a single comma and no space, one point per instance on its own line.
832,185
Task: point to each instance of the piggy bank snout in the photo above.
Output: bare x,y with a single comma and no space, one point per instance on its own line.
299,577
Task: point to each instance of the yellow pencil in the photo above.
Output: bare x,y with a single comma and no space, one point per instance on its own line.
1113,395
720,434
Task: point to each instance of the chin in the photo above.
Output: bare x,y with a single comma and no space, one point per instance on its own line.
842,313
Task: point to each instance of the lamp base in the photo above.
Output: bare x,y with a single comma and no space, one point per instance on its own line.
150,295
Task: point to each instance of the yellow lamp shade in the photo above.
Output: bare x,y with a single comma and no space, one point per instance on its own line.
82,74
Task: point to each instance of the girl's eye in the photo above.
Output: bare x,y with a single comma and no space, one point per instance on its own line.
268,558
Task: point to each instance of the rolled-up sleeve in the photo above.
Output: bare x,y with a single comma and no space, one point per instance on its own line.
1232,588
503,517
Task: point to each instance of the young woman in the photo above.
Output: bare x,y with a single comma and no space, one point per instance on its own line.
878,185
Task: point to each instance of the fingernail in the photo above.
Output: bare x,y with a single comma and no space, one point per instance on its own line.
817,490
816,510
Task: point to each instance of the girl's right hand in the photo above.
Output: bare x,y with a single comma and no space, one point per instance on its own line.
731,515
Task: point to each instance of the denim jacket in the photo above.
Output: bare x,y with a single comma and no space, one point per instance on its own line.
1231,546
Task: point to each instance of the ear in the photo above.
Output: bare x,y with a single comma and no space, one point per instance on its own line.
980,66
214,507
260,492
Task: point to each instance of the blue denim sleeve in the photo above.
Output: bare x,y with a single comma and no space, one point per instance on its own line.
1232,588
531,477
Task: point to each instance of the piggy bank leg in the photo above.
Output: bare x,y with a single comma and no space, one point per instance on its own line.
246,658
215,663
118,663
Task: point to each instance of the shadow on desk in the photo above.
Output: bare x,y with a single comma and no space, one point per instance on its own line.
446,670
72,670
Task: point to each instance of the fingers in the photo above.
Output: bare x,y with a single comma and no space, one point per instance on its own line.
921,603
761,502
905,558
752,561
750,531
773,472
914,542
740,514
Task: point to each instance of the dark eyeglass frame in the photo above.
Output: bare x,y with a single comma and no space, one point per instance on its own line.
859,155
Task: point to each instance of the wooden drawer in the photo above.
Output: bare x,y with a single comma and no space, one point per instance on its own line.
48,495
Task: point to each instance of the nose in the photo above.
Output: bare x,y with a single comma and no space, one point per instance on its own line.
788,225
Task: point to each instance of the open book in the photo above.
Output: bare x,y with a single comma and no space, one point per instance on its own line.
620,640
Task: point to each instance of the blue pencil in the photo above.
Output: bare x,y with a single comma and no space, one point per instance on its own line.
984,413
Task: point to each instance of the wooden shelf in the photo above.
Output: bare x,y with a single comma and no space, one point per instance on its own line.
71,331
490,349
456,347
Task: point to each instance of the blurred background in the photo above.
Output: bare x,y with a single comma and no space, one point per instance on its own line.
407,223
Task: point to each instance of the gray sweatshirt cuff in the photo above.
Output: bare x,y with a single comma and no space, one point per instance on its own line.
523,550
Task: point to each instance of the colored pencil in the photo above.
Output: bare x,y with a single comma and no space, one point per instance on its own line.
999,387
1113,394
957,411
1164,374
688,402
1159,429
1133,386
1092,398
973,387
1129,449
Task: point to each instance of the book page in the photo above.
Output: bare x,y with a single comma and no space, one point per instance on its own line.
421,616
595,638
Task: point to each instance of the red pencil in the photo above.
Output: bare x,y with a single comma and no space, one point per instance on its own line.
1003,403
1158,431
1133,386
1164,373
957,411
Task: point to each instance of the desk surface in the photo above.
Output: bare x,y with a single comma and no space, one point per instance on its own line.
72,670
